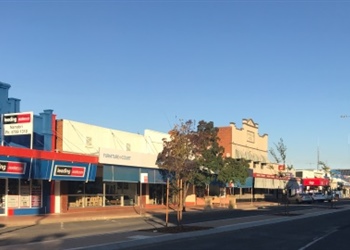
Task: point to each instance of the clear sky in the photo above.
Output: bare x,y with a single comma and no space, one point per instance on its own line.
136,65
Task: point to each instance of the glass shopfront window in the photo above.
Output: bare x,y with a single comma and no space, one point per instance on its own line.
120,193
3,192
24,198
157,194
82,194
36,193
24,194
13,186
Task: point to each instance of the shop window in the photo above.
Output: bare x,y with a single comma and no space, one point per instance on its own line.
76,187
81,194
13,192
24,194
157,195
24,199
13,187
120,193
36,193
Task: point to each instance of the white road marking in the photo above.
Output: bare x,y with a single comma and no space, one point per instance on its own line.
318,239
140,237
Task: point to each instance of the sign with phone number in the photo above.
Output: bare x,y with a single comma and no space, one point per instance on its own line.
18,124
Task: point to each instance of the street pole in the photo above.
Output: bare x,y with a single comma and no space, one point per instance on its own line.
345,117
140,197
167,203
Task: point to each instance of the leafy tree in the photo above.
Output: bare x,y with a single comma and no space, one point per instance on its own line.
235,170
195,157
210,153
178,158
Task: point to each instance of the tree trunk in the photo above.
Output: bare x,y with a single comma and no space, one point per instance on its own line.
178,202
186,186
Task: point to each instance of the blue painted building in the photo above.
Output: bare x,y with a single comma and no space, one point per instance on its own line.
30,169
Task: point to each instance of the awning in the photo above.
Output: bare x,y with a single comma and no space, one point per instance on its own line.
14,168
315,182
40,164
63,171
121,173
154,176
269,183
114,173
248,183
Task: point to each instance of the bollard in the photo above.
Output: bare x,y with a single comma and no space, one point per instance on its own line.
208,204
232,203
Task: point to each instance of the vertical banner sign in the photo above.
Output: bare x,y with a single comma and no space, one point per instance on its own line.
144,178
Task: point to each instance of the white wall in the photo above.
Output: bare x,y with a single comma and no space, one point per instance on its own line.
84,138
311,173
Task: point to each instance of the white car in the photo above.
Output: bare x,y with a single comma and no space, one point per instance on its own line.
318,197
304,198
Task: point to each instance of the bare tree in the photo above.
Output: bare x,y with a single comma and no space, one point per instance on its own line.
280,156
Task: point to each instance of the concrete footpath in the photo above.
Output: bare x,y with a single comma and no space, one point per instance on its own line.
112,213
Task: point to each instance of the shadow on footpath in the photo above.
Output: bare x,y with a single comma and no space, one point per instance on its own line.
12,235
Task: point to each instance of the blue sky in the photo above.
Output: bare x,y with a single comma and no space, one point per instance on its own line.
136,65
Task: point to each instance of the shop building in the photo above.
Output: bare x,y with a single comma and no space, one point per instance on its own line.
126,166
313,181
30,170
267,179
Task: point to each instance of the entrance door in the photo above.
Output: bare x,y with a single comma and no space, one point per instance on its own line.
2,197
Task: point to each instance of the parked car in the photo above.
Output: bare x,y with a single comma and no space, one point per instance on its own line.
332,196
304,198
329,196
300,198
318,197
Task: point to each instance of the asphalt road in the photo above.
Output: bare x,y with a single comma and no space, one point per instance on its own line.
315,233
77,234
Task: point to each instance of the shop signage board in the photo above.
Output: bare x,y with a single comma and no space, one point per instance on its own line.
17,124
12,167
69,171
315,182
127,158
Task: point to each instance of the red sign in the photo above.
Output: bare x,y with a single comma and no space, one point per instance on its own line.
11,167
281,167
315,182
17,118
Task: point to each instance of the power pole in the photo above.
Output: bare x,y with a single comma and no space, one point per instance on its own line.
345,117
318,154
